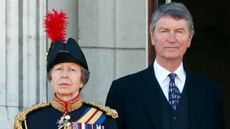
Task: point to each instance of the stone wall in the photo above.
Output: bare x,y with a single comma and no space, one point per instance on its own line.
112,34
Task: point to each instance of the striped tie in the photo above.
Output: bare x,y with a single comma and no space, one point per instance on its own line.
174,93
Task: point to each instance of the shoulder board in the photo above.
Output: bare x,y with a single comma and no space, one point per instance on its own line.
110,112
21,116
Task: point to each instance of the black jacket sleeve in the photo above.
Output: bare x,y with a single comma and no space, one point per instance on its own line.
110,123
114,101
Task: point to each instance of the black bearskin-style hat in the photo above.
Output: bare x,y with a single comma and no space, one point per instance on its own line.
59,52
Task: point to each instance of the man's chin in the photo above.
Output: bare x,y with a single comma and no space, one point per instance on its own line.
172,56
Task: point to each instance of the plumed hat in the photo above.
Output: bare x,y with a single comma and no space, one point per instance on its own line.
61,51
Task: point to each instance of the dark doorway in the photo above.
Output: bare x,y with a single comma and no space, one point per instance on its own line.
211,43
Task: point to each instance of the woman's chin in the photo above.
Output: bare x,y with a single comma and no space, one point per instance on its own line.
64,93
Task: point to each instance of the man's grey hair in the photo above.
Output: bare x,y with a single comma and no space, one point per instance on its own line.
175,10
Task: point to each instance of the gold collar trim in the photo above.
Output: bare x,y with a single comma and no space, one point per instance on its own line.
66,106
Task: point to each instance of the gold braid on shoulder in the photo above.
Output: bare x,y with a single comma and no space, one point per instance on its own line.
21,117
110,112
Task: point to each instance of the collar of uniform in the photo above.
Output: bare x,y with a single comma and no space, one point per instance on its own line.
69,106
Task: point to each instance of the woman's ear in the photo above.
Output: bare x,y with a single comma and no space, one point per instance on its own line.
49,76
81,85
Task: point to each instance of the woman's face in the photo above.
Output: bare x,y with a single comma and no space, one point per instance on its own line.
66,80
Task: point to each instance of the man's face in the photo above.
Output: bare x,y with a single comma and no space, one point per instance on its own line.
171,38
66,79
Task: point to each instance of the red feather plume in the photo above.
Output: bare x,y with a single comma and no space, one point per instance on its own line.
55,25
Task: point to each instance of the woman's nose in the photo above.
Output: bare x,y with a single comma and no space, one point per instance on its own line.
64,73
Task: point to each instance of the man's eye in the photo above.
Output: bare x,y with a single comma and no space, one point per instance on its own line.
163,31
180,31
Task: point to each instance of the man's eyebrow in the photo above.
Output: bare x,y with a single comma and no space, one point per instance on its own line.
164,28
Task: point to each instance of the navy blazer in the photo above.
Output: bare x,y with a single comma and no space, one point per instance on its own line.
137,100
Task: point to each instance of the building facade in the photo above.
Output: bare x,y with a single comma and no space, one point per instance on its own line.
112,34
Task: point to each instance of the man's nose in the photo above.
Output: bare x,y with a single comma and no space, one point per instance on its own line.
172,37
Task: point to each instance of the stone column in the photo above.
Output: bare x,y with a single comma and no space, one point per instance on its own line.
23,46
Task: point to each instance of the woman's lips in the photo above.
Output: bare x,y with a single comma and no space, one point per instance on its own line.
64,84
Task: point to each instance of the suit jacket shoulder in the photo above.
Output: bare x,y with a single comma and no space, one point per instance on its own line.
202,80
131,79
132,76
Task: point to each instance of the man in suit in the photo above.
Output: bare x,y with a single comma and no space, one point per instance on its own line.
166,95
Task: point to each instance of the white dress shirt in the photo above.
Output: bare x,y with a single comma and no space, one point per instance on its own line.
163,79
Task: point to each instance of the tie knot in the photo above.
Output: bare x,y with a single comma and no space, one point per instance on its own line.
172,76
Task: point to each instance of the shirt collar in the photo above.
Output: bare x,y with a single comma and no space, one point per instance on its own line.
161,73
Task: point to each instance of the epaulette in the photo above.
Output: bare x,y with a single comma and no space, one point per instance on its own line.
21,116
110,112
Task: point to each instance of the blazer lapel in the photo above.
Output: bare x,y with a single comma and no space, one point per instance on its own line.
149,92
196,93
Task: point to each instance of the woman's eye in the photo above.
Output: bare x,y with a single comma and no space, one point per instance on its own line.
58,69
73,70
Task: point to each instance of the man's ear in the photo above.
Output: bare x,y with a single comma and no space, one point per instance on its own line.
190,39
152,38
189,45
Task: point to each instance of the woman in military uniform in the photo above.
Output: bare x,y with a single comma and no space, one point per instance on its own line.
67,71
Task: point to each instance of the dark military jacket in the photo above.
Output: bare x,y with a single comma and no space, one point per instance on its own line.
57,115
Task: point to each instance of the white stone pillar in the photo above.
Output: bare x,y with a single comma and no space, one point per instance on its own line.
23,74
9,54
